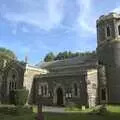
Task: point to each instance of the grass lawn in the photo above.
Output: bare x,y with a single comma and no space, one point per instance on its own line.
114,114
78,116
66,116
10,117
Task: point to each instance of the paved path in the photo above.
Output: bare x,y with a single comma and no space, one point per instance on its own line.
53,109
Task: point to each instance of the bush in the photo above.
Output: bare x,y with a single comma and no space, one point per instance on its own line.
100,110
70,105
7,109
20,110
20,96
15,110
11,97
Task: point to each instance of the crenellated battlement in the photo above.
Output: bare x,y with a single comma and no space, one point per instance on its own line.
111,15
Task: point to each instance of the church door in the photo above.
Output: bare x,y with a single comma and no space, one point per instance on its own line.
59,96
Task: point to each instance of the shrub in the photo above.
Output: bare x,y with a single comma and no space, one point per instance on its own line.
100,110
7,109
11,97
20,110
15,110
20,96
70,105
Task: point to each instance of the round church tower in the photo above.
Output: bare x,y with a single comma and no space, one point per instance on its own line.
108,40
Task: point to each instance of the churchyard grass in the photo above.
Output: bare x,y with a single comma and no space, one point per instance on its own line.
113,114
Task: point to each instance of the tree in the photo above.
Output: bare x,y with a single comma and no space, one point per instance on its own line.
49,57
7,53
66,55
6,56
60,56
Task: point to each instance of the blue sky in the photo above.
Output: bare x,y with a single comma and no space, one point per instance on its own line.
35,27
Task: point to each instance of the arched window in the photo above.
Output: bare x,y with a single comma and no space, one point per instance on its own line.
45,87
12,78
42,90
75,89
15,85
12,85
119,29
108,31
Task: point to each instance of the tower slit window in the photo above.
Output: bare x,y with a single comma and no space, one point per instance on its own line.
103,94
45,90
75,89
119,29
108,31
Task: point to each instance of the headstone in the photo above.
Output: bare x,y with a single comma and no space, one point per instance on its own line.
83,107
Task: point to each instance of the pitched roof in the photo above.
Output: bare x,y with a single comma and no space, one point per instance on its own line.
76,61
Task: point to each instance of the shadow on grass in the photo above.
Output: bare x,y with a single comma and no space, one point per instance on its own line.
81,116
65,116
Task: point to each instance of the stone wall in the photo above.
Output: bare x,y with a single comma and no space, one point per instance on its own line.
92,87
30,73
66,84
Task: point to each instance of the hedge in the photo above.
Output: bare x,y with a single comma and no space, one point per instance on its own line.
15,110
20,96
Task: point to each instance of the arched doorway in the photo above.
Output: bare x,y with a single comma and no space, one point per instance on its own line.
59,97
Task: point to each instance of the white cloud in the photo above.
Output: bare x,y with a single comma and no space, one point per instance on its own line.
85,20
45,15
116,10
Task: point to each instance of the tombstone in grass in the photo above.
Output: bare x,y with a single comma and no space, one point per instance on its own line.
40,115
83,107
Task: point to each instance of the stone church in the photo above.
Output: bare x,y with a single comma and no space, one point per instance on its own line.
84,80
62,82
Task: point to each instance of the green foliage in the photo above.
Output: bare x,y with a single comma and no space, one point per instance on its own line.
7,109
113,108
12,97
7,53
20,96
15,110
65,116
66,54
49,57
6,56
100,110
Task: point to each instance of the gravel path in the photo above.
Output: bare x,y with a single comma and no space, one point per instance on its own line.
53,109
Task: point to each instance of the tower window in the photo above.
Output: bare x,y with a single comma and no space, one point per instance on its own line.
103,94
108,31
75,90
45,89
119,29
